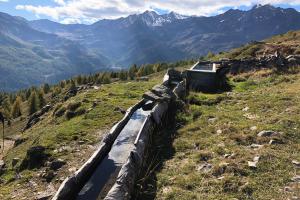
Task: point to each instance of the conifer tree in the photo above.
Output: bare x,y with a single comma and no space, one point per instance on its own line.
132,71
16,109
46,88
72,85
32,103
106,78
123,75
41,99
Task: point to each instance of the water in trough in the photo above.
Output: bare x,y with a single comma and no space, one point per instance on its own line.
106,173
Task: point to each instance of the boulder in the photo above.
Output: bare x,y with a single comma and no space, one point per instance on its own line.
35,158
48,175
296,163
267,133
57,164
296,179
35,118
206,167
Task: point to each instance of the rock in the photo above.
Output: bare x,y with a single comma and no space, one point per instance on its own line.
252,164
70,114
197,146
267,133
35,118
81,142
251,116
219,131
35,158
60,112
296,179
15,161
174,76
206,167
253,128
57,164
48,175
246,109
256,158
163,92
32,183
296,163
288,189
71,93
43,196
153,97
256,146
227,155
276,141
212,120
72,169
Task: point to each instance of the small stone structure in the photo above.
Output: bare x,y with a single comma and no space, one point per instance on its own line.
206,76
209,76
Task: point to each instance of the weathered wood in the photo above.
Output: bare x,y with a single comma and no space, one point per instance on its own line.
72,185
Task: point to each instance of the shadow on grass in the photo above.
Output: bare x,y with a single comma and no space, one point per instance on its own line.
222,85
161,150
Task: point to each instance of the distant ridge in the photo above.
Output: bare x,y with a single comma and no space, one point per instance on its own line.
31,50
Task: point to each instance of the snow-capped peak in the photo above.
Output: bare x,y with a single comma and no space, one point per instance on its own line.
151,18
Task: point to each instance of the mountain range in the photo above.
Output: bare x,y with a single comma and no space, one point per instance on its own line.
33,52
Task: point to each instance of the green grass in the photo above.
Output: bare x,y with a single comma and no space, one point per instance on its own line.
56,133
213,125
287,44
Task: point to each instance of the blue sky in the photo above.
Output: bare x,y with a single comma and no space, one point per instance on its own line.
89,11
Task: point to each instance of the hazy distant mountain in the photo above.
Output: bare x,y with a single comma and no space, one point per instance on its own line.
150,37
32,52
29,57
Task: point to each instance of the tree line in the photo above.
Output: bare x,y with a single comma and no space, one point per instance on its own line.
28,101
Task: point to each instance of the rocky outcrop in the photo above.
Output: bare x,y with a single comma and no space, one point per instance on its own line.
272,61
36,157
35,118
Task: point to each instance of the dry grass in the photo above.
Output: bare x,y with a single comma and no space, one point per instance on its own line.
221,137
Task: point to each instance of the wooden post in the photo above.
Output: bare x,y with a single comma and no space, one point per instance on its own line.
2,120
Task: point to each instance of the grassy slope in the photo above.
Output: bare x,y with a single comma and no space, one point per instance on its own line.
61,137
215,124
287,44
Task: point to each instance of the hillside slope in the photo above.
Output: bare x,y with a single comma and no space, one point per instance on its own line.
30,57
215,150
60,138
239,144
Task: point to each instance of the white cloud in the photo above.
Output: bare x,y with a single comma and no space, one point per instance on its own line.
86,11
4,0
